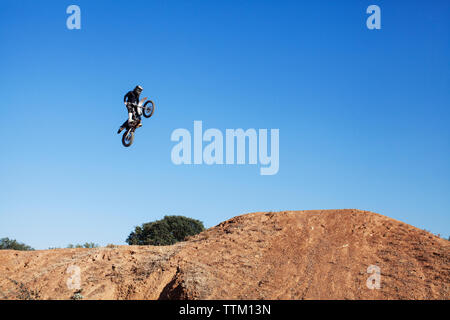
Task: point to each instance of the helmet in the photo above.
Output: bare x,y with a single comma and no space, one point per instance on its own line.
138,89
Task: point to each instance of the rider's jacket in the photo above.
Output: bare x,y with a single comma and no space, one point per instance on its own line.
131,97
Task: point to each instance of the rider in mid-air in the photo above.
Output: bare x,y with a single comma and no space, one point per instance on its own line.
131,100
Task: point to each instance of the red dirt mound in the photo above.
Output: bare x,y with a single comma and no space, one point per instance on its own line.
286,255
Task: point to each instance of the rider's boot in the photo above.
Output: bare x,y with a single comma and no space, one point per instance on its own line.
120,130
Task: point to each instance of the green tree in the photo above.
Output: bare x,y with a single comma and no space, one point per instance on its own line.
164,232
11,244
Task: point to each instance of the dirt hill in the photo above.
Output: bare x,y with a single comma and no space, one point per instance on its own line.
285,255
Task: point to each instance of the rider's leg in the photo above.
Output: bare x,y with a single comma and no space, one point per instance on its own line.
125,124
139,121
136,116
130,113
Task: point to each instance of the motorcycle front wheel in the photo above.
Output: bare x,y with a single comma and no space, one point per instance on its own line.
149,108
127,138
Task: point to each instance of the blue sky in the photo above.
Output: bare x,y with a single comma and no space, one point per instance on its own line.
363,114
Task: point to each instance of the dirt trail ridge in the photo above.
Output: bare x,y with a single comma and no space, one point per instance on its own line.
320,254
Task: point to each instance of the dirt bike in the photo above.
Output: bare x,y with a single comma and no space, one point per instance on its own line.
146,109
